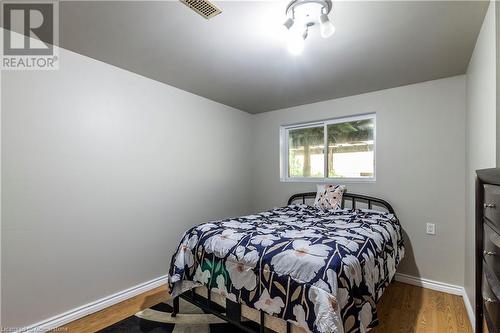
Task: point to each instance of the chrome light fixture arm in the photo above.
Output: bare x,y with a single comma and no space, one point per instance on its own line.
290,9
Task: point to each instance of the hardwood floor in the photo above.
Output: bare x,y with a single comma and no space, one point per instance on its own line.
403,309
107,317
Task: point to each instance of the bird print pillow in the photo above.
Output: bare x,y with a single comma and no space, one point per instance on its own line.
329,197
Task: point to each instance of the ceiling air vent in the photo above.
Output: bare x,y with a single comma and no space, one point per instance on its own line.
203,7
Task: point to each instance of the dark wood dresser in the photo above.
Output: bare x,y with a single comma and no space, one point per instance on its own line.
488,251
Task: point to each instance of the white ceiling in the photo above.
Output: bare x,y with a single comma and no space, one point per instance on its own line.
239,58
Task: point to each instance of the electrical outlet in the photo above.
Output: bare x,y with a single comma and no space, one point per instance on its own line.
430,229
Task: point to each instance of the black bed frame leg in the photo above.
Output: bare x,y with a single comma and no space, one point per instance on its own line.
176,307
288,327
262,322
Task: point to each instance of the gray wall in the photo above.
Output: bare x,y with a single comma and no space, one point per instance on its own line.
102,171
420,166
481,129
497,56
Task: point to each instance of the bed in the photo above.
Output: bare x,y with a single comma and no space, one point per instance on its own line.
294,268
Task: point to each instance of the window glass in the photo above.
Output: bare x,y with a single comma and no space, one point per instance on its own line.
351,149
346,150
305,152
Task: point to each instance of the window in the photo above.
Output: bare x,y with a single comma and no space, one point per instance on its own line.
334,149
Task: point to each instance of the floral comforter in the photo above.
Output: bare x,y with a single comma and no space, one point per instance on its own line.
323,271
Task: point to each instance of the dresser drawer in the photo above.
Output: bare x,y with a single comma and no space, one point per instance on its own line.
491,247
492,204
491,306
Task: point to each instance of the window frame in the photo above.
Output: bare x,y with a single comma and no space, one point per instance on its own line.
284,152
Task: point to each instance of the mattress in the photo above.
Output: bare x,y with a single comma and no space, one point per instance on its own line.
321,270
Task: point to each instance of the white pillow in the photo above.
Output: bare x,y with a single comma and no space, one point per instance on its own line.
329,196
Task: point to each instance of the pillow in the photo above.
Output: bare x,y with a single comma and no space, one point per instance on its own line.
329,196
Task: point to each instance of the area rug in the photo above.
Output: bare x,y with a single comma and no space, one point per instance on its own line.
157,319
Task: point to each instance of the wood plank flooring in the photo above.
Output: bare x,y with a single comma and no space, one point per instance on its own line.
403,309
107,317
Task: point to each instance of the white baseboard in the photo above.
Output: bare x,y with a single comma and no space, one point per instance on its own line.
443,287
84,310
470,311
430,284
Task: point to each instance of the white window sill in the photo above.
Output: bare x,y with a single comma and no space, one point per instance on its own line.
328,180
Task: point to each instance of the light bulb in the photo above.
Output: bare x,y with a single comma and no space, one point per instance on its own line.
295,42
295,45
326,26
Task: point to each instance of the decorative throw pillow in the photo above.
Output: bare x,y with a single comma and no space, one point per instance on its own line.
329,197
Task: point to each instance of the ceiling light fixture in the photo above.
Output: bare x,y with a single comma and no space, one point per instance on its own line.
303,15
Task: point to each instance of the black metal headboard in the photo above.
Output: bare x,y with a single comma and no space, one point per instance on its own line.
354,198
